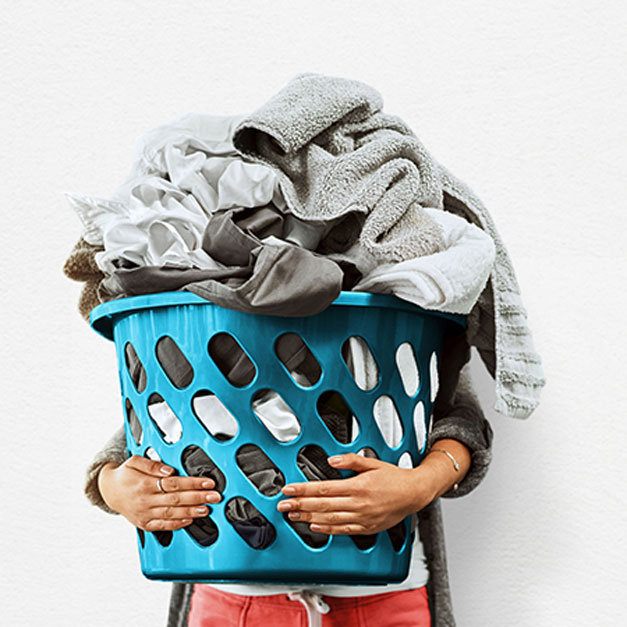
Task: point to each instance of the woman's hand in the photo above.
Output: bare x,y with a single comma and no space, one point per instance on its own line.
377,498
131,489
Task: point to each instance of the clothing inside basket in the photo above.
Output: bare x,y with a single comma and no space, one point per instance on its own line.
279,419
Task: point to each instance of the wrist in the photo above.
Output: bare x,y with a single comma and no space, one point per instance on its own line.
105,475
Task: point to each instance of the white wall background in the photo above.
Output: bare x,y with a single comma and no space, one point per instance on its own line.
524,101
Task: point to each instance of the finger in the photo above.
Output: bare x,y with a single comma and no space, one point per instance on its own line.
179,484
352,461
149,466
314,504
344,529
330,518
180,513
334,487
166,525
176,499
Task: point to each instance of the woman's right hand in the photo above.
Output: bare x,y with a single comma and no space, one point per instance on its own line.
131,489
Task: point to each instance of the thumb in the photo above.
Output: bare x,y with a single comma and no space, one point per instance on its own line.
149,466
352,461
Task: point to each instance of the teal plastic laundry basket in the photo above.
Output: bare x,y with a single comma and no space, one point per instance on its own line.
400,342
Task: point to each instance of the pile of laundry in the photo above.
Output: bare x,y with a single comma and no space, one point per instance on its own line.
276,212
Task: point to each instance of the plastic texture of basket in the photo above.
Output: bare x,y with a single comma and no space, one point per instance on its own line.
259,401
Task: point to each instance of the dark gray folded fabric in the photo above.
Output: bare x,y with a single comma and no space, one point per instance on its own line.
249,523
203,530
260,470
263,278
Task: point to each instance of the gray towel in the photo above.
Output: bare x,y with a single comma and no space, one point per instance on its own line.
338,155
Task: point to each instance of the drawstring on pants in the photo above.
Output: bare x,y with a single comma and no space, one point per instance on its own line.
314,605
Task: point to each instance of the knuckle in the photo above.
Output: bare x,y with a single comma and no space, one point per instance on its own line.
148,484
168,512
174,499
171,484
323,490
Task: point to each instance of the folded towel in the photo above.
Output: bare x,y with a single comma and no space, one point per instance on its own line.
450,280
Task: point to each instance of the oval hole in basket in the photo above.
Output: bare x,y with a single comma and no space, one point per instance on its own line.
174,363
203,530
276,415
256,530
214,416
164,418
368,452
408,368
337,416
311,538
298,359
231,359
419,425
312,462
163,536
387,419
397,535
259,469
133,421
198,464
433,375
360,362
405,461
135,367
150,453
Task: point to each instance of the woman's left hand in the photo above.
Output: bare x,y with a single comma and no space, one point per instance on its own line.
376,499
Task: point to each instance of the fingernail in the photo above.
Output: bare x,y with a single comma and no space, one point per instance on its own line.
186,520
201,510
165,470
207,484
288,490
315,527
294,515
213,497
335,460
284,506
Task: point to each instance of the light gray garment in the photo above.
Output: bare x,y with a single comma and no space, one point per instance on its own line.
497,325
457,415
335,153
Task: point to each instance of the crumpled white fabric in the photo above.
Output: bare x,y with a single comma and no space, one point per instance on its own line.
450,280
182,172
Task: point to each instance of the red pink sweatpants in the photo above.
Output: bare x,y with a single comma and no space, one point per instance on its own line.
215,608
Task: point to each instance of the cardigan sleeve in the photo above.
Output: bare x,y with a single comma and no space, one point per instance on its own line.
113,451
457,413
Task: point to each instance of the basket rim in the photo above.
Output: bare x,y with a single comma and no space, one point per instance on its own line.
102,317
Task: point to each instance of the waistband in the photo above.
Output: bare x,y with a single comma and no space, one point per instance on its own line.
315,604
